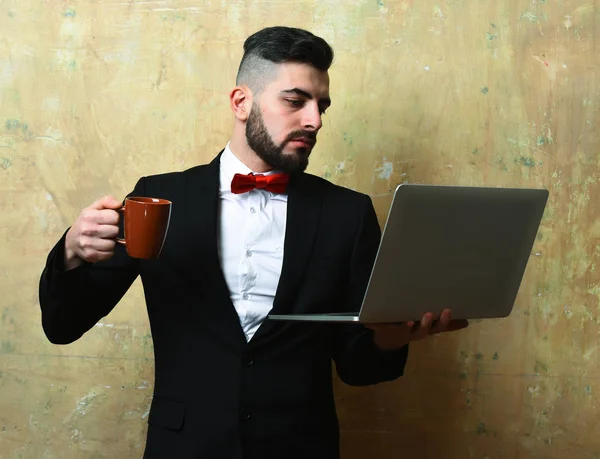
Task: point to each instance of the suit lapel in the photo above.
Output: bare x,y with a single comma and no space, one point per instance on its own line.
303,214
202,207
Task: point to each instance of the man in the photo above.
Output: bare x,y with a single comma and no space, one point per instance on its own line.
228,383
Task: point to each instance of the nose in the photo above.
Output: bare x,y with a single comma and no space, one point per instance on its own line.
311,120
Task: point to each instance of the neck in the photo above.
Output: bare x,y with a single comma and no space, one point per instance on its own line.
240,148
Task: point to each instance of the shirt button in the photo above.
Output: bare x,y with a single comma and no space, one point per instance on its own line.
248,253
245,296
252,210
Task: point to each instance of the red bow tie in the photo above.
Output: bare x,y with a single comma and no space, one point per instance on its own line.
275,183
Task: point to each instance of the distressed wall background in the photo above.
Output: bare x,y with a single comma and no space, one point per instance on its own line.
95,93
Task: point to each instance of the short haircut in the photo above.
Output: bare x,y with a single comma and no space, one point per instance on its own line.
268,47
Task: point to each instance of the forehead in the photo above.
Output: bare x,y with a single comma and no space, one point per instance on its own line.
301,76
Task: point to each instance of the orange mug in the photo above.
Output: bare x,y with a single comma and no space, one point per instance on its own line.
145,226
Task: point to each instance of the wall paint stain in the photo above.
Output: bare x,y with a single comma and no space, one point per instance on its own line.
7,142
528,162
529,16
544,140
386,170
534,391
7,347
13,125
540,368
84,404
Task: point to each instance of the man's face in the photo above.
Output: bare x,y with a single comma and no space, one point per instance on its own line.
286,116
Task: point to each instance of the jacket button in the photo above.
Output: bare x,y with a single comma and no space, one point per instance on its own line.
244,414
248,360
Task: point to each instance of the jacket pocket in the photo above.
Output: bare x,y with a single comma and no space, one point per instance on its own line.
167,413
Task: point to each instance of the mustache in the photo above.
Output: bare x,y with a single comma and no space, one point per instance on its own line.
301,134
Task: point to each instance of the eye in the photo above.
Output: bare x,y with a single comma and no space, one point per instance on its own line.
295,102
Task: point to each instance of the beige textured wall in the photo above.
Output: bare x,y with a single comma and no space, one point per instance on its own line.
94,94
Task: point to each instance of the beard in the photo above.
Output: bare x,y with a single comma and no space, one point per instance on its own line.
262,143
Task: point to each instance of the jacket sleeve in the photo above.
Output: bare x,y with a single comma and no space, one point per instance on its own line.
358,360
73,301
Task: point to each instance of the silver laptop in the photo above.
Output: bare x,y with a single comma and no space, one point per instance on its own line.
464,248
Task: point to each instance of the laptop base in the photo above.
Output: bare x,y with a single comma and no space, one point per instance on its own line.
343,317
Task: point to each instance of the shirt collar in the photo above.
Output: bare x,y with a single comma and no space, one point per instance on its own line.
231,165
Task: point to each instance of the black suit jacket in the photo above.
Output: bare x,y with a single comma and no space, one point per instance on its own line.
215,395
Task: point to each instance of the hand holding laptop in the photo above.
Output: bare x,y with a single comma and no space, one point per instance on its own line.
391,336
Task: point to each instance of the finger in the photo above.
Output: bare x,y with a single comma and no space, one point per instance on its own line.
438,327
92,255
446,317
89,245
107,202
90,229
427,320
422,329
442,324
107,217
442,320
104,245
107,231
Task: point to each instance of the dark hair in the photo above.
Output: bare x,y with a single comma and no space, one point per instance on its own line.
285,44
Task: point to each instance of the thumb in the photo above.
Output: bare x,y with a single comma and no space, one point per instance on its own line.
107,202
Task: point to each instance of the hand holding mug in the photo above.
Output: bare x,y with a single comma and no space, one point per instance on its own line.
93,236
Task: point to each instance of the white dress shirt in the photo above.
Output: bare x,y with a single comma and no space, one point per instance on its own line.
250,241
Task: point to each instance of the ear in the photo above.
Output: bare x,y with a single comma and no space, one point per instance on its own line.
240,99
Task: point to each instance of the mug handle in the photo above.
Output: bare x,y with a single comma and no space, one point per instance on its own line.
118,239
